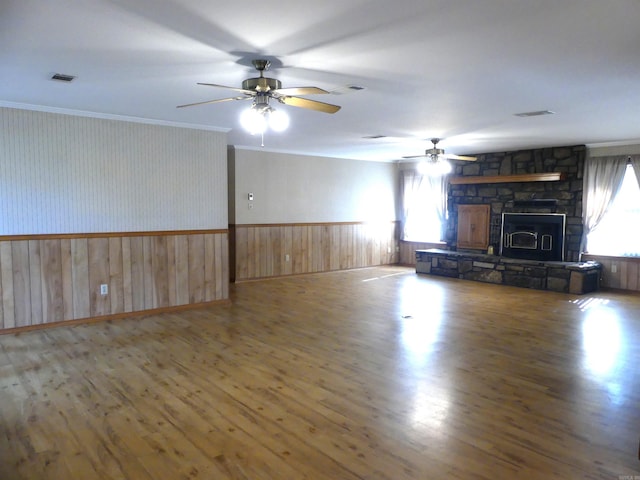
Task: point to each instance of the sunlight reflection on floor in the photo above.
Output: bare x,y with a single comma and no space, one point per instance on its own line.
386,276
585,303
421,308
430,408
603,345
601,341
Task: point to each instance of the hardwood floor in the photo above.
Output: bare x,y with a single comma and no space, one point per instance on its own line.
366,374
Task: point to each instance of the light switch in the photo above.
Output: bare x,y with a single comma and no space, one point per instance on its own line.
250,197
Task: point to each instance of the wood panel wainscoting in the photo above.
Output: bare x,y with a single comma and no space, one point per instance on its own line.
46,279
408,251
273,250
620,273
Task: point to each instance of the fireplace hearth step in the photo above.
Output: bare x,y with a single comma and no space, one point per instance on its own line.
566,277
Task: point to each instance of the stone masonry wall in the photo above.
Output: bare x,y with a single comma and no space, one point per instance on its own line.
563,196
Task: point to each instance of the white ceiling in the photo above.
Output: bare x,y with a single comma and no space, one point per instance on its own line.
453,69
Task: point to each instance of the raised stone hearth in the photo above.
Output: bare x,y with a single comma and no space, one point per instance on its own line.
566,277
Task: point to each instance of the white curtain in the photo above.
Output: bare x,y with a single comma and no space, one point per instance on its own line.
438,190
602,179
635,163
411,181
424,203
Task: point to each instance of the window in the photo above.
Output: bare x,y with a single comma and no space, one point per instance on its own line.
618,231
424,206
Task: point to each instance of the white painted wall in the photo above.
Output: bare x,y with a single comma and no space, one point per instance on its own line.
291,188
70,174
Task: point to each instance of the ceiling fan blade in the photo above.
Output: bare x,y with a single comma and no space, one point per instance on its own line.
310,104
448,156
300,91
451,156
242,90
214,101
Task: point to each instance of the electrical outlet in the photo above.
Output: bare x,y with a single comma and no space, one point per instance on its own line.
104,289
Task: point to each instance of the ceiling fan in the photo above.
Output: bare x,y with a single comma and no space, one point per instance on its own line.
262,88
436,154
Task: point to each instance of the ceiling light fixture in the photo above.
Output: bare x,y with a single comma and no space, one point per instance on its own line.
261,116
436,163
434,166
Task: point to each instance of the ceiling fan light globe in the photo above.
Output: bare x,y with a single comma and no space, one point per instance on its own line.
278,120
443,167
424,167
434,168
253,121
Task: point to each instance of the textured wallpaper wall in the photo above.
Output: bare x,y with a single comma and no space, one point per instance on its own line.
69,174
291,188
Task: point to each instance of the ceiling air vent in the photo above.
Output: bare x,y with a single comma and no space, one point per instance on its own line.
348,89
62,77
534,114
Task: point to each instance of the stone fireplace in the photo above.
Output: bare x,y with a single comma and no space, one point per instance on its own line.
536,207
563,196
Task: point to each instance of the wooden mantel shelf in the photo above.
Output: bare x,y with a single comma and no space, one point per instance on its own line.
529,177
